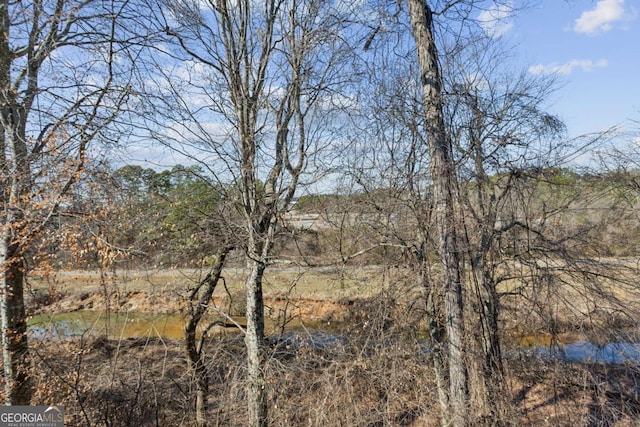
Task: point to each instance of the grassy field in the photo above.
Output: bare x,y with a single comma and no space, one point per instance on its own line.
319,283
593,305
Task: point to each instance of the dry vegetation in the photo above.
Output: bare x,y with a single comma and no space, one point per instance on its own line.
373,370
380,376
348,343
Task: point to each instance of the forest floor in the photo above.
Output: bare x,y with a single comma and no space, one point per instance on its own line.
379,374
366,381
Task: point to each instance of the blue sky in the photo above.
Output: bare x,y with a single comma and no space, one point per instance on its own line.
592,46
594,49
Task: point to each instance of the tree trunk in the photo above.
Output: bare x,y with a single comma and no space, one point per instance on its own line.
487,297
254,341
197,309
437,336
443,176
15,350
489,316
489,340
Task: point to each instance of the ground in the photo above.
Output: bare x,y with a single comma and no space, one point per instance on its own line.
379,375
318,295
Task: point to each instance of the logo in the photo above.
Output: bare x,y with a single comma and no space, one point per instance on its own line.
31,416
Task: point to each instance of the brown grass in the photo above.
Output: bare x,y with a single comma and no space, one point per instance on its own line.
373,379
319,283
380,376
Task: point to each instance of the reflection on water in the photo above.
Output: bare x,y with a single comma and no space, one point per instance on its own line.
585,351
113,325
136,325
141,325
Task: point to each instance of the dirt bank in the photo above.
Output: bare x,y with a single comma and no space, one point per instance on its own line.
172,302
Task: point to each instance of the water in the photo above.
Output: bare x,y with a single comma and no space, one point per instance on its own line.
586,351
113,325
143,325
137,325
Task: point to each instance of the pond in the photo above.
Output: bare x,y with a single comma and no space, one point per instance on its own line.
141,325
587,352
137,325
113,325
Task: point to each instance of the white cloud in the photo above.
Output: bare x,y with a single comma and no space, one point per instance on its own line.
601,17
337,100
497,20
568,67
200,133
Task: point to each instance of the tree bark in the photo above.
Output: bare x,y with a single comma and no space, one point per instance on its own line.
491,372
254,341
443,176
487,299
437,332
193,349
15,349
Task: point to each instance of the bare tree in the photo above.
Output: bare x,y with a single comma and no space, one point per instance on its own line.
199,300
497,140
63,80
262,77
443,175
480,139
498,127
